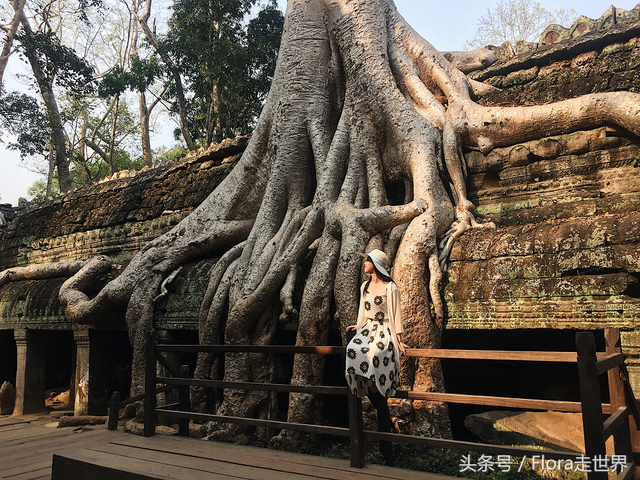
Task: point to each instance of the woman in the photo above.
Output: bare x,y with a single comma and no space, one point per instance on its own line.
373,354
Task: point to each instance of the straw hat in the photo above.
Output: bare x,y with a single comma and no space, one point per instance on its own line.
379,259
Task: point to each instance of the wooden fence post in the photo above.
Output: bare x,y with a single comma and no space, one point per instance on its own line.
356,440
183,399
622,435
591,400
150,385
114,410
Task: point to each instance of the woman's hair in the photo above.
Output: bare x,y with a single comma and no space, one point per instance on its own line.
382,276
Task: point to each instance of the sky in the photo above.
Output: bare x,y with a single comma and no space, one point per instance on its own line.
447,25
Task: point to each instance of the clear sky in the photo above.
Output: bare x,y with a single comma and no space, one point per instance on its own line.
446,24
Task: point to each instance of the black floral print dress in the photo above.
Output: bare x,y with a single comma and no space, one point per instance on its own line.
371,353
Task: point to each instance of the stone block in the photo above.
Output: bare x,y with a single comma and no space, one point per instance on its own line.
7,398
553,430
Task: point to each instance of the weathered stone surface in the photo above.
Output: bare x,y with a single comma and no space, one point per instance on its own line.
503,52
554,430
568,49
116,217
7,398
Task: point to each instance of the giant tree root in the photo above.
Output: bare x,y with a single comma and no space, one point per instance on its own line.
361,110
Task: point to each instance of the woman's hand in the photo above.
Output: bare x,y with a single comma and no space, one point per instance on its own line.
351,328
401,345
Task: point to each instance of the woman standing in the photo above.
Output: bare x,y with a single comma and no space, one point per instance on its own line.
373,352
375,343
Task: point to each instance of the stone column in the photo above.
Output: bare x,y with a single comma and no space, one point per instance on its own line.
29,373
81,388
630,341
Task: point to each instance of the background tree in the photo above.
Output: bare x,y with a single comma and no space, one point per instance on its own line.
515,20
136,73
10,31
96,141
208,46
55,64
142,74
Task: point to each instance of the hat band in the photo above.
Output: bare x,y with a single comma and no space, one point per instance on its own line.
379,262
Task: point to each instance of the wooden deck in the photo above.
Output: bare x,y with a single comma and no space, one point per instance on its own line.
28,444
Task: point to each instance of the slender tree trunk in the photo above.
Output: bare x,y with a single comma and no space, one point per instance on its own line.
112,141
145,130
52,168
145,112
57,133
18,8
174,72
215,95
58,137
80,159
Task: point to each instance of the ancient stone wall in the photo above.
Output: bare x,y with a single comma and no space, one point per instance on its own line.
116,217
566,251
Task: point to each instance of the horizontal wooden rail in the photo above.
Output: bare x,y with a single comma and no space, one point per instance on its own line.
250,349
256,422
533,356
528,403
560,357
275,387
468,446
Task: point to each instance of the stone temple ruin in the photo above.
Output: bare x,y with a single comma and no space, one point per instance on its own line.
565,256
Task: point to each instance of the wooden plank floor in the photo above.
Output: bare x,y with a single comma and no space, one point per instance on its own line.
27,446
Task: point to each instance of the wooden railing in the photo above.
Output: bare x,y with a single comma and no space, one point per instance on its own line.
623,410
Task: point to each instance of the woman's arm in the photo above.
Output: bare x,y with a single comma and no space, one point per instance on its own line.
397,317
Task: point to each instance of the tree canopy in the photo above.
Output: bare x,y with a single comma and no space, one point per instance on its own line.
227,63
224,51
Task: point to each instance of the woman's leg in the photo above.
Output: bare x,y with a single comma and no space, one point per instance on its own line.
384,423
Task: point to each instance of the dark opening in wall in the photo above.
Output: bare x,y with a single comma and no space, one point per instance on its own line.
534,380
58,360
8,357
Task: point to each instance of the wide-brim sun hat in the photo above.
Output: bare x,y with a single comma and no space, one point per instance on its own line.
379,259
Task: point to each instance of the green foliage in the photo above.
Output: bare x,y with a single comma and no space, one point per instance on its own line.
142,74
21,115
39,189
263,41
171,155
227,63
514,20
59,63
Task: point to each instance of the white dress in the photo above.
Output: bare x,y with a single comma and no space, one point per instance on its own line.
372,354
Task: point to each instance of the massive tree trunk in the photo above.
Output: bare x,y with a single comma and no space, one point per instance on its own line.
361,110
